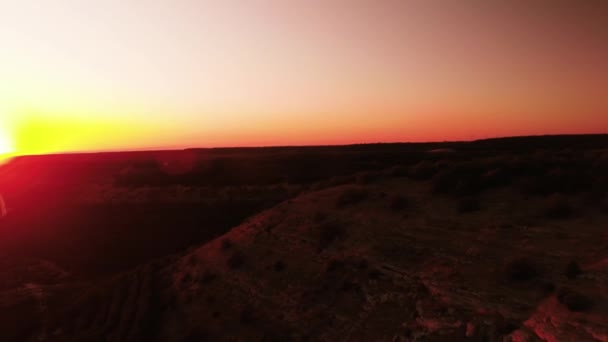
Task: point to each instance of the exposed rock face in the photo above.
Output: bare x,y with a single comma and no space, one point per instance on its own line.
322,267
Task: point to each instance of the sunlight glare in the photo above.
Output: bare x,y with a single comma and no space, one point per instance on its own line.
6,143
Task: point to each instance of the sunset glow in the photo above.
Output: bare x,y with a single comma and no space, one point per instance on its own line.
108,75
6,143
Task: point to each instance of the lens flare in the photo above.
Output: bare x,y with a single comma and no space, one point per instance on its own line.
6,143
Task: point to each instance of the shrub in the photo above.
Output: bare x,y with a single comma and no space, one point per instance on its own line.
460,180
496,178
280,266
352,196
375,274
330,232
521,269
574,301
398,171
423,170
247,316
547,287
398,203
208,277
227,244
319,217
573,270
335,265
367,177
187,278
363,264
468,205
236,260
558,207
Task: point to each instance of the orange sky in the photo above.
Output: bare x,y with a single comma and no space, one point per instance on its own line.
127,74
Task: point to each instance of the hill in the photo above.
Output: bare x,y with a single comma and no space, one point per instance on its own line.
460,244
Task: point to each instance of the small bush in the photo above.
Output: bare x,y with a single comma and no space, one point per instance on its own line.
352,196
375,274
363,264
423,170
341,180
558,207
365,178
192,260
247,316
187,278
227,244
398,172
573,270
208,277
521,269
329,232
398,203
279,266
335,265
468,205
574,301
604,205
319,217
496,178
547,287
236,261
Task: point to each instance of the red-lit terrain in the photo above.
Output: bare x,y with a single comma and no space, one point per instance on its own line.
485,241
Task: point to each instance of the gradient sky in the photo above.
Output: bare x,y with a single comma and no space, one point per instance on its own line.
128,74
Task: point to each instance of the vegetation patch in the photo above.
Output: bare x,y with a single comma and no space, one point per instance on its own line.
398,203
280,266
352,196
227,244
330,232
574,301
521,269
423,170
237,260
558,207
573,270
398,172
469,205
365,178
208,277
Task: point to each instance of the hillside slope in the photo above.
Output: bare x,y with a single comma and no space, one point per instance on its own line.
387,261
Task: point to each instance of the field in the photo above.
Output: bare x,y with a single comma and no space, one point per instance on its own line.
491,240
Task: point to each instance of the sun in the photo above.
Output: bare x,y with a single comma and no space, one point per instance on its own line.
6,143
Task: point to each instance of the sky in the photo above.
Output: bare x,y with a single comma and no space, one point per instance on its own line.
84,75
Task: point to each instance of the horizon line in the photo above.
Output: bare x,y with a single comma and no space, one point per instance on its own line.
169,148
